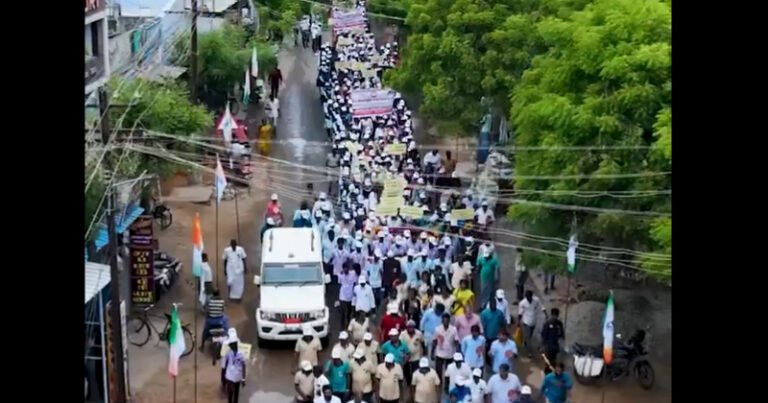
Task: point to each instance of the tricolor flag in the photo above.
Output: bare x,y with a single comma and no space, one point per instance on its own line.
227,125
197,247
608,330
176,340
221,180
254,63
571,254
247,87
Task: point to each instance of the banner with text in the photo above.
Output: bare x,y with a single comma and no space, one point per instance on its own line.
372,102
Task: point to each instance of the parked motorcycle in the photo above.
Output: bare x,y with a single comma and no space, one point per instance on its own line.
167,270
629,358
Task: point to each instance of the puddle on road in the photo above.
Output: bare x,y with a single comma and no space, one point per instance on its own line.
260,396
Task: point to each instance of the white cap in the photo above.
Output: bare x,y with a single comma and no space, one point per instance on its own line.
526,390
306,365
232,336
361,280
391,253
407,233
458,357
274,196
359,353
484,203
393,332
343,335
423,235
368,336
358,244
499,293
323,195
487,252
392,308
380,234
335,353
389,358
424,362
477,372
306,331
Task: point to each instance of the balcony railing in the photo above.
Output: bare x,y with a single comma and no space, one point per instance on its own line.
94,69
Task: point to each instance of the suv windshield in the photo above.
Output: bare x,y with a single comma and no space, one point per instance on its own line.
304,274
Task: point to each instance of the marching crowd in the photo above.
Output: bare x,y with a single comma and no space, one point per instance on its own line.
415,328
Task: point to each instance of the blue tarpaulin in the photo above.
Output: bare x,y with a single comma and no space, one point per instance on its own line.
123,220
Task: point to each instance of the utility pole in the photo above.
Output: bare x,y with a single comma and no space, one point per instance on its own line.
117,330
193,55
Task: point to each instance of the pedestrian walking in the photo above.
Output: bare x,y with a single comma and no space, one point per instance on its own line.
234,370
363,372
490,273
445,344
552,334
527,311
347,280
363,298
522,275
477,387
557,385
473,347
344,347
339,375
307,347
425,383
321,382
370,348
235,268
275,80
414,340
304,383
503,387
502,352
358,326
390,377
526,395
327,396
396,348
392,320
493,321
465,322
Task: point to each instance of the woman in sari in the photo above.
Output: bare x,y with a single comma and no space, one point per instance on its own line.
265,136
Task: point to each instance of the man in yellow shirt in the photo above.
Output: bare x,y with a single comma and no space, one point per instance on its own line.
362,375
389,377
414,340
370,348
307,347
425,383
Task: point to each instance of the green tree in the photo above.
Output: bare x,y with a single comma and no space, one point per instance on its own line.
460,51
604,80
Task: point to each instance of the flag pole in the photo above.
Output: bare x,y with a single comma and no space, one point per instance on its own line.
237,214
174,389
197,302
218,254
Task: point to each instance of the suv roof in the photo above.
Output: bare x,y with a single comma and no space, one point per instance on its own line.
291,245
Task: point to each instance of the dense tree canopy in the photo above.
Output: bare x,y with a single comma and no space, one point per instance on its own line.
605,80
569,73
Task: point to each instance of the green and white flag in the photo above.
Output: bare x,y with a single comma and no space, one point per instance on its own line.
254,63
176,340
247,87
571,254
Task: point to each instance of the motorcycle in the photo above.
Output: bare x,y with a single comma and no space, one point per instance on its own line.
629,358
217,334
167,270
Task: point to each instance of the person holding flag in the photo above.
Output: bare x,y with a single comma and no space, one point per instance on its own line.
198,264
176,341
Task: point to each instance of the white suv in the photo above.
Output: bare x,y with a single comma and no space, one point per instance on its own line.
292,286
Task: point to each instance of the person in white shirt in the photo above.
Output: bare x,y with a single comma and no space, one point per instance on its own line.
272,109
477,386
316,36
235,268
484,215
503,387
526,314
456,370
503,305
205,278
321,382
327,396
363,298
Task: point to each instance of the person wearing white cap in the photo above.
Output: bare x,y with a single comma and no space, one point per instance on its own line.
347,284
396,347
455,370
425,383
235,268
344,348
392,320
370,347
414,340
307,346
363,298
338,373
304,382
389,375
526,395
477,386
233,364
363,372
461,392
502,305
274,210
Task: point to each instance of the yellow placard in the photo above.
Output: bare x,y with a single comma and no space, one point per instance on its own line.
386,211
367,73
394,183
396,201
396,149
391,192
462,214
357,30
344,41
352,146
357,66
411,212
244,348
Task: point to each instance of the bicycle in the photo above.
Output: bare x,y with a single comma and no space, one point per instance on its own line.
137,324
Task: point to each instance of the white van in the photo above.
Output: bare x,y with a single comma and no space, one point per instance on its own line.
292,285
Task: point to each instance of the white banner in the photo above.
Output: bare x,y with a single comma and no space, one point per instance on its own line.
371,102
348,19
